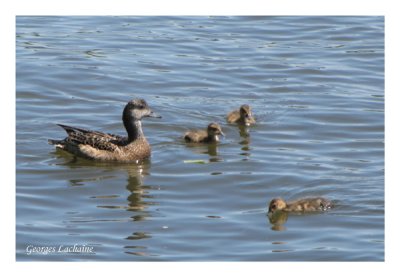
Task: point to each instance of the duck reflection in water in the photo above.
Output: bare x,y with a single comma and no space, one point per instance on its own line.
244,133
243,118
102,171
138,190
245,142
208,149
278,220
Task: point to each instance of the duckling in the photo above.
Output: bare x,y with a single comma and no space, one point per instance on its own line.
108,147
243,116
205,136
303,205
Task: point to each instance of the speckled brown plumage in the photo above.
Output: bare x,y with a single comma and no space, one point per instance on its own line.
302,205
243,116
205,136
108,147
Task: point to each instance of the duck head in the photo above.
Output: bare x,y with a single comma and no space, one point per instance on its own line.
136,109
246,114
213,129
277,204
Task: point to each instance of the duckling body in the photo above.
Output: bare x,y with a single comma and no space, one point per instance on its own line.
242,116
204,136
108,147
302,205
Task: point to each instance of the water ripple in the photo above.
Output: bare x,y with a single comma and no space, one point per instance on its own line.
316,86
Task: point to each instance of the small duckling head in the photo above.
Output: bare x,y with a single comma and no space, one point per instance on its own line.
136,109
324,204
276,204
214,130
246,114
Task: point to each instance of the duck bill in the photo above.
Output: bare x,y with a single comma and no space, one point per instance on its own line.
153,114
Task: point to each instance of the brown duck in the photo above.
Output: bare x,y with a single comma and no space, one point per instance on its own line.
302,205
243,116
108,147
205,136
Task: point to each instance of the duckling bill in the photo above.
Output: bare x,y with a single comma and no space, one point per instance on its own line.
108,147
242,116
205,136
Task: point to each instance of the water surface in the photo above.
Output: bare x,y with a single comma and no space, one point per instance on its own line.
316,85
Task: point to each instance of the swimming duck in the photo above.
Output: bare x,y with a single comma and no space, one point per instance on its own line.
206,136
243,116
108,147
302,205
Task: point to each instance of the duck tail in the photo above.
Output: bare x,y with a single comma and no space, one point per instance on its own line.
70,129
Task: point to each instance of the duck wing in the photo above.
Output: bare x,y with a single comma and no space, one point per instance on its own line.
98,140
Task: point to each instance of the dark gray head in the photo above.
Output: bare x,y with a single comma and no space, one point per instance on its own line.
136,109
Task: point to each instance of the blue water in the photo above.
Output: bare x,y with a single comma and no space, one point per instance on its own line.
316,86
